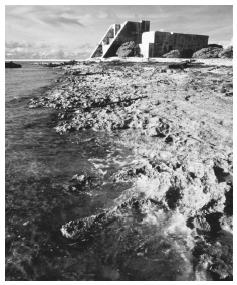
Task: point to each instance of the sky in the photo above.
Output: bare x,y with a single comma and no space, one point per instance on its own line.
72,32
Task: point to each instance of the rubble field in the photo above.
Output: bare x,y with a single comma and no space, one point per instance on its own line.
178,125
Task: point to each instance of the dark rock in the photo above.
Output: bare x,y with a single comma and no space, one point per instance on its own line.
221,175
223,90
127,49
173,196
163,70
71,62
200,223
162,129
76,72
213,219
229,94
12,64
169,139
229,201
56,64
179,65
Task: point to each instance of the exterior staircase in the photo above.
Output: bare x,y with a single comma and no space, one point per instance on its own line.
107,40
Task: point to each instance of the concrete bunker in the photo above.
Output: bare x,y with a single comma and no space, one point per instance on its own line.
151,43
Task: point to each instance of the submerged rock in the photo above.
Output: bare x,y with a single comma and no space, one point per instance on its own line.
83,183
85,228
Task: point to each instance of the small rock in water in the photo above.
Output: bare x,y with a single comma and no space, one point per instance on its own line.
79,178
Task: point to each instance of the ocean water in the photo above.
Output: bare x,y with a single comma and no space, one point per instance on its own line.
39,166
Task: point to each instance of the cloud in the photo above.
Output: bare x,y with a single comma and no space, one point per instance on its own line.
24,50
56,20
13,44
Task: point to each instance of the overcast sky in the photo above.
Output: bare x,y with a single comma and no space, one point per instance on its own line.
73,31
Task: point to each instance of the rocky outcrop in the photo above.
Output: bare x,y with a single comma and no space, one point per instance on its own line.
209,52
214,51
172,54
181,187
227,52
128,49
12,64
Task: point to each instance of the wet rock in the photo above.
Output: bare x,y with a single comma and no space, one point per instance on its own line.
221,175
84,228
173,196
213,219
82,179
82,183
200,223
129,173
215,256
226,223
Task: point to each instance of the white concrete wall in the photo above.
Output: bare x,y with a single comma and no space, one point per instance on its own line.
147,39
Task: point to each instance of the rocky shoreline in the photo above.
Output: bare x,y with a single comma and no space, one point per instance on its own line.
178,125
